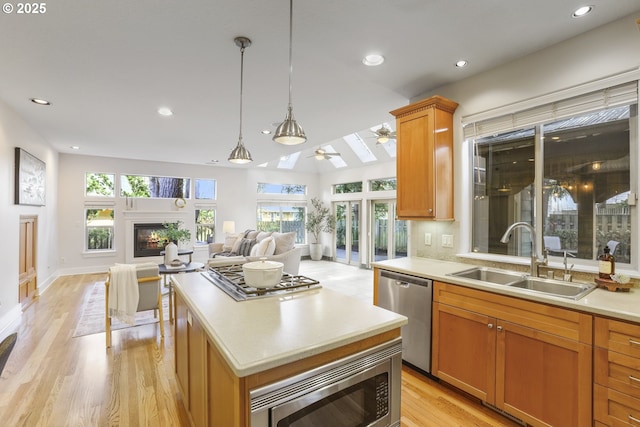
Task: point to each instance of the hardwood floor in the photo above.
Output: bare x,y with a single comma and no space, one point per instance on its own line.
53,379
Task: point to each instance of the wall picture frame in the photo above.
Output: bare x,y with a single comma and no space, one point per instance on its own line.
30,179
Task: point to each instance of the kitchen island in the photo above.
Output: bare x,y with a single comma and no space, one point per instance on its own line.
225,349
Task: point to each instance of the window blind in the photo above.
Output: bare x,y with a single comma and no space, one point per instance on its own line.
623,94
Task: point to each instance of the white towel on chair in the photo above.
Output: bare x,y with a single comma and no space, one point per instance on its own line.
123,293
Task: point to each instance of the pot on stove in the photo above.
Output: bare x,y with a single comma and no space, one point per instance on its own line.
263,273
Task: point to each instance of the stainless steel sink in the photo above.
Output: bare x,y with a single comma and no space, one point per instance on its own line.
485,274
554,287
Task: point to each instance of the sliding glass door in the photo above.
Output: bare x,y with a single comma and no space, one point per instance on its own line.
388,235
347,232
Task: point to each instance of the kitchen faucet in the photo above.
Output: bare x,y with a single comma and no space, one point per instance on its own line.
535,261
567,272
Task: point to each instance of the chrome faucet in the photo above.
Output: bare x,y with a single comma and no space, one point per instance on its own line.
567,272
535,261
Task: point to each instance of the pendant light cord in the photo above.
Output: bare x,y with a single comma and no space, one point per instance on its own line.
241,80
290,51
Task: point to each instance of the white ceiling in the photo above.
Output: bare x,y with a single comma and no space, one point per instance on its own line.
107,66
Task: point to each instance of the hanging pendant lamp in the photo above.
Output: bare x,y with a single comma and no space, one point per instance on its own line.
240,155
289,132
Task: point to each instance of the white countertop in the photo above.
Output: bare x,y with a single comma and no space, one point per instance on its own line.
264,333
621,305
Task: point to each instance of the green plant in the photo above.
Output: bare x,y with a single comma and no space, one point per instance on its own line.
319,220
173,233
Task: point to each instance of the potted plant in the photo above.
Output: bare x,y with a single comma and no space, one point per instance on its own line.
319,220
173,233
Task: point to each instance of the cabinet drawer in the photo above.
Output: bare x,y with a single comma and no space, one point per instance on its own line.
621,337
558,321
614,408
617,371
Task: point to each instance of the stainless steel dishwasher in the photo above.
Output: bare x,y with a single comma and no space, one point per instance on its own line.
410,296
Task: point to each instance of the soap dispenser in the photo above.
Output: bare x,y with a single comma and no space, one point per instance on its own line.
606,264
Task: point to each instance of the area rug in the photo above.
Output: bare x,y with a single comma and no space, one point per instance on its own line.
93,315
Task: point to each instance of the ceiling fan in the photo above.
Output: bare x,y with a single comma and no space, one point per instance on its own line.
384,135
322,154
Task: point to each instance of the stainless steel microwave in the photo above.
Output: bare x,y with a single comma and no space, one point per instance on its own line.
359,390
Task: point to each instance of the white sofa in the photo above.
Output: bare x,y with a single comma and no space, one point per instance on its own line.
255,245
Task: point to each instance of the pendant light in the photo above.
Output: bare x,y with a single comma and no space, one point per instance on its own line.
240,155
290,132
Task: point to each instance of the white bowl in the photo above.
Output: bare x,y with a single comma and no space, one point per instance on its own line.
262,274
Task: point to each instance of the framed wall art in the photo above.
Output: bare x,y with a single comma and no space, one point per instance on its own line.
30,179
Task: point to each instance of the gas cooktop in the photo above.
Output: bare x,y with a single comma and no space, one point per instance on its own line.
230,279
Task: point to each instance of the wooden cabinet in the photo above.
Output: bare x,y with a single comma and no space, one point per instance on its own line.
616,370
190,362
424,162
531,360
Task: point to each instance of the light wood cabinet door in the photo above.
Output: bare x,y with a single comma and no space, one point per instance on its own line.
464,346
181,348
542,378
424,161
197,372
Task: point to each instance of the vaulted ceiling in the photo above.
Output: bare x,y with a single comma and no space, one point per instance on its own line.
107,66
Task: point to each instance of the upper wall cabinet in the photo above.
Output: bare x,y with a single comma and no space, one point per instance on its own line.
424,132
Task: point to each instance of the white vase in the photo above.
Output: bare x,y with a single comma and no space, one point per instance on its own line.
315,251
170,253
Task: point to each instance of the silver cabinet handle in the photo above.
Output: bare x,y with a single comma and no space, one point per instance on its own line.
633,342
490,325
499,328
634,419
632,378
403,284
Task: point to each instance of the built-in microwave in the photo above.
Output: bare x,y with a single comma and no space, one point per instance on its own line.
360,390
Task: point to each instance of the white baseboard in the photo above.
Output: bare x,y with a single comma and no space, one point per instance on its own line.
10,321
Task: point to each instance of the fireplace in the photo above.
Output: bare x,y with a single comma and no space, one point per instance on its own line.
146,240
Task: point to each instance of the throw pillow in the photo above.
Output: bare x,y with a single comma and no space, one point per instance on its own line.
271,249
284,242
236,245
254,250
228,242
245,246
250,234
263,235
261,247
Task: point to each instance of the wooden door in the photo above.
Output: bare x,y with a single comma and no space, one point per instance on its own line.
27,276
464,350
197,371
541,378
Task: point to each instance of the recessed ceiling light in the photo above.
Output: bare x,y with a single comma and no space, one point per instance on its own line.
581,11
74,147
40,101
265,131
462,63
164,111
373,60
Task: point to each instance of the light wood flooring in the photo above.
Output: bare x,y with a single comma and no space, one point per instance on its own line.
53,379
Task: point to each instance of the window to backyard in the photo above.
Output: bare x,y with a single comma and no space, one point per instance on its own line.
574,171
99,229
283,218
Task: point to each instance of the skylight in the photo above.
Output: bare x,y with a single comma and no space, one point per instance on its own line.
288,162
336,161
359,147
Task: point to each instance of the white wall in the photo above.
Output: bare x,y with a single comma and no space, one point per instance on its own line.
14,132
609,50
